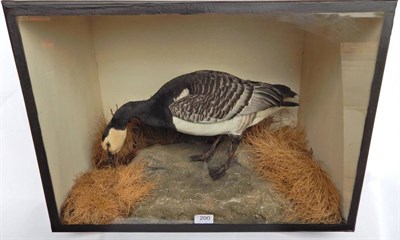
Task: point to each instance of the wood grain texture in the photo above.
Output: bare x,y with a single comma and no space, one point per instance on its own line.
95,7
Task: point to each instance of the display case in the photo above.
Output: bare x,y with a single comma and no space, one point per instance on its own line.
76,60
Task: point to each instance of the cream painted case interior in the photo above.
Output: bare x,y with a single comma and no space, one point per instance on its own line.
82,66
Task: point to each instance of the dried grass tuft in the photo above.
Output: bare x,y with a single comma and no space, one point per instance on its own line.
283,157
101,195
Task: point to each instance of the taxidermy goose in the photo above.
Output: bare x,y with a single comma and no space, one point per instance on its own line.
202,103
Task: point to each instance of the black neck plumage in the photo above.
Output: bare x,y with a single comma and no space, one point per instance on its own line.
153,112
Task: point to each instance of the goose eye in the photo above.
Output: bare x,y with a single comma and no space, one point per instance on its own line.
108,144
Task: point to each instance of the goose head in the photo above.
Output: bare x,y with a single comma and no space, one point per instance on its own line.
113,139
114,134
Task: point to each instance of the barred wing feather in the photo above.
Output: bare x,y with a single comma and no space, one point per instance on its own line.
219,96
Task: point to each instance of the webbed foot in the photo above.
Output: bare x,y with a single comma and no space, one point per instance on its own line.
217,173
207,155
200,157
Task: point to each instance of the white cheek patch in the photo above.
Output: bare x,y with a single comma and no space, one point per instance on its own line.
183,94
114,141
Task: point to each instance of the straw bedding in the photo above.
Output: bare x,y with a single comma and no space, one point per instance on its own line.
102,195
283,157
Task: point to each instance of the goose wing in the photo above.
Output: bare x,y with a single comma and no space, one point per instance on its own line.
217,96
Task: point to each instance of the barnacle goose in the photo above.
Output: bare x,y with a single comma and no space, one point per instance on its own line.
203,103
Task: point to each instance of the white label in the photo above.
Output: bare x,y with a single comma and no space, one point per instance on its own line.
204,219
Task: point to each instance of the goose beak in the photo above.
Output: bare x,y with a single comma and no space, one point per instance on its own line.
111,157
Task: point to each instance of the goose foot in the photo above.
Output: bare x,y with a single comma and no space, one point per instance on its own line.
210,152
200,157
217,173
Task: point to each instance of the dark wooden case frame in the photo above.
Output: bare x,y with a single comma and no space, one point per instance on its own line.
15,8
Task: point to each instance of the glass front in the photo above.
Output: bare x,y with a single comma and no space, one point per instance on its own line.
293,164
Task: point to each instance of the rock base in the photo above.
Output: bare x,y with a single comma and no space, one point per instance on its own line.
184,188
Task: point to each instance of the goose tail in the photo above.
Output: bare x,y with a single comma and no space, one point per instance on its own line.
289,99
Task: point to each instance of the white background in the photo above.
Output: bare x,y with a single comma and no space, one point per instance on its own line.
23,208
